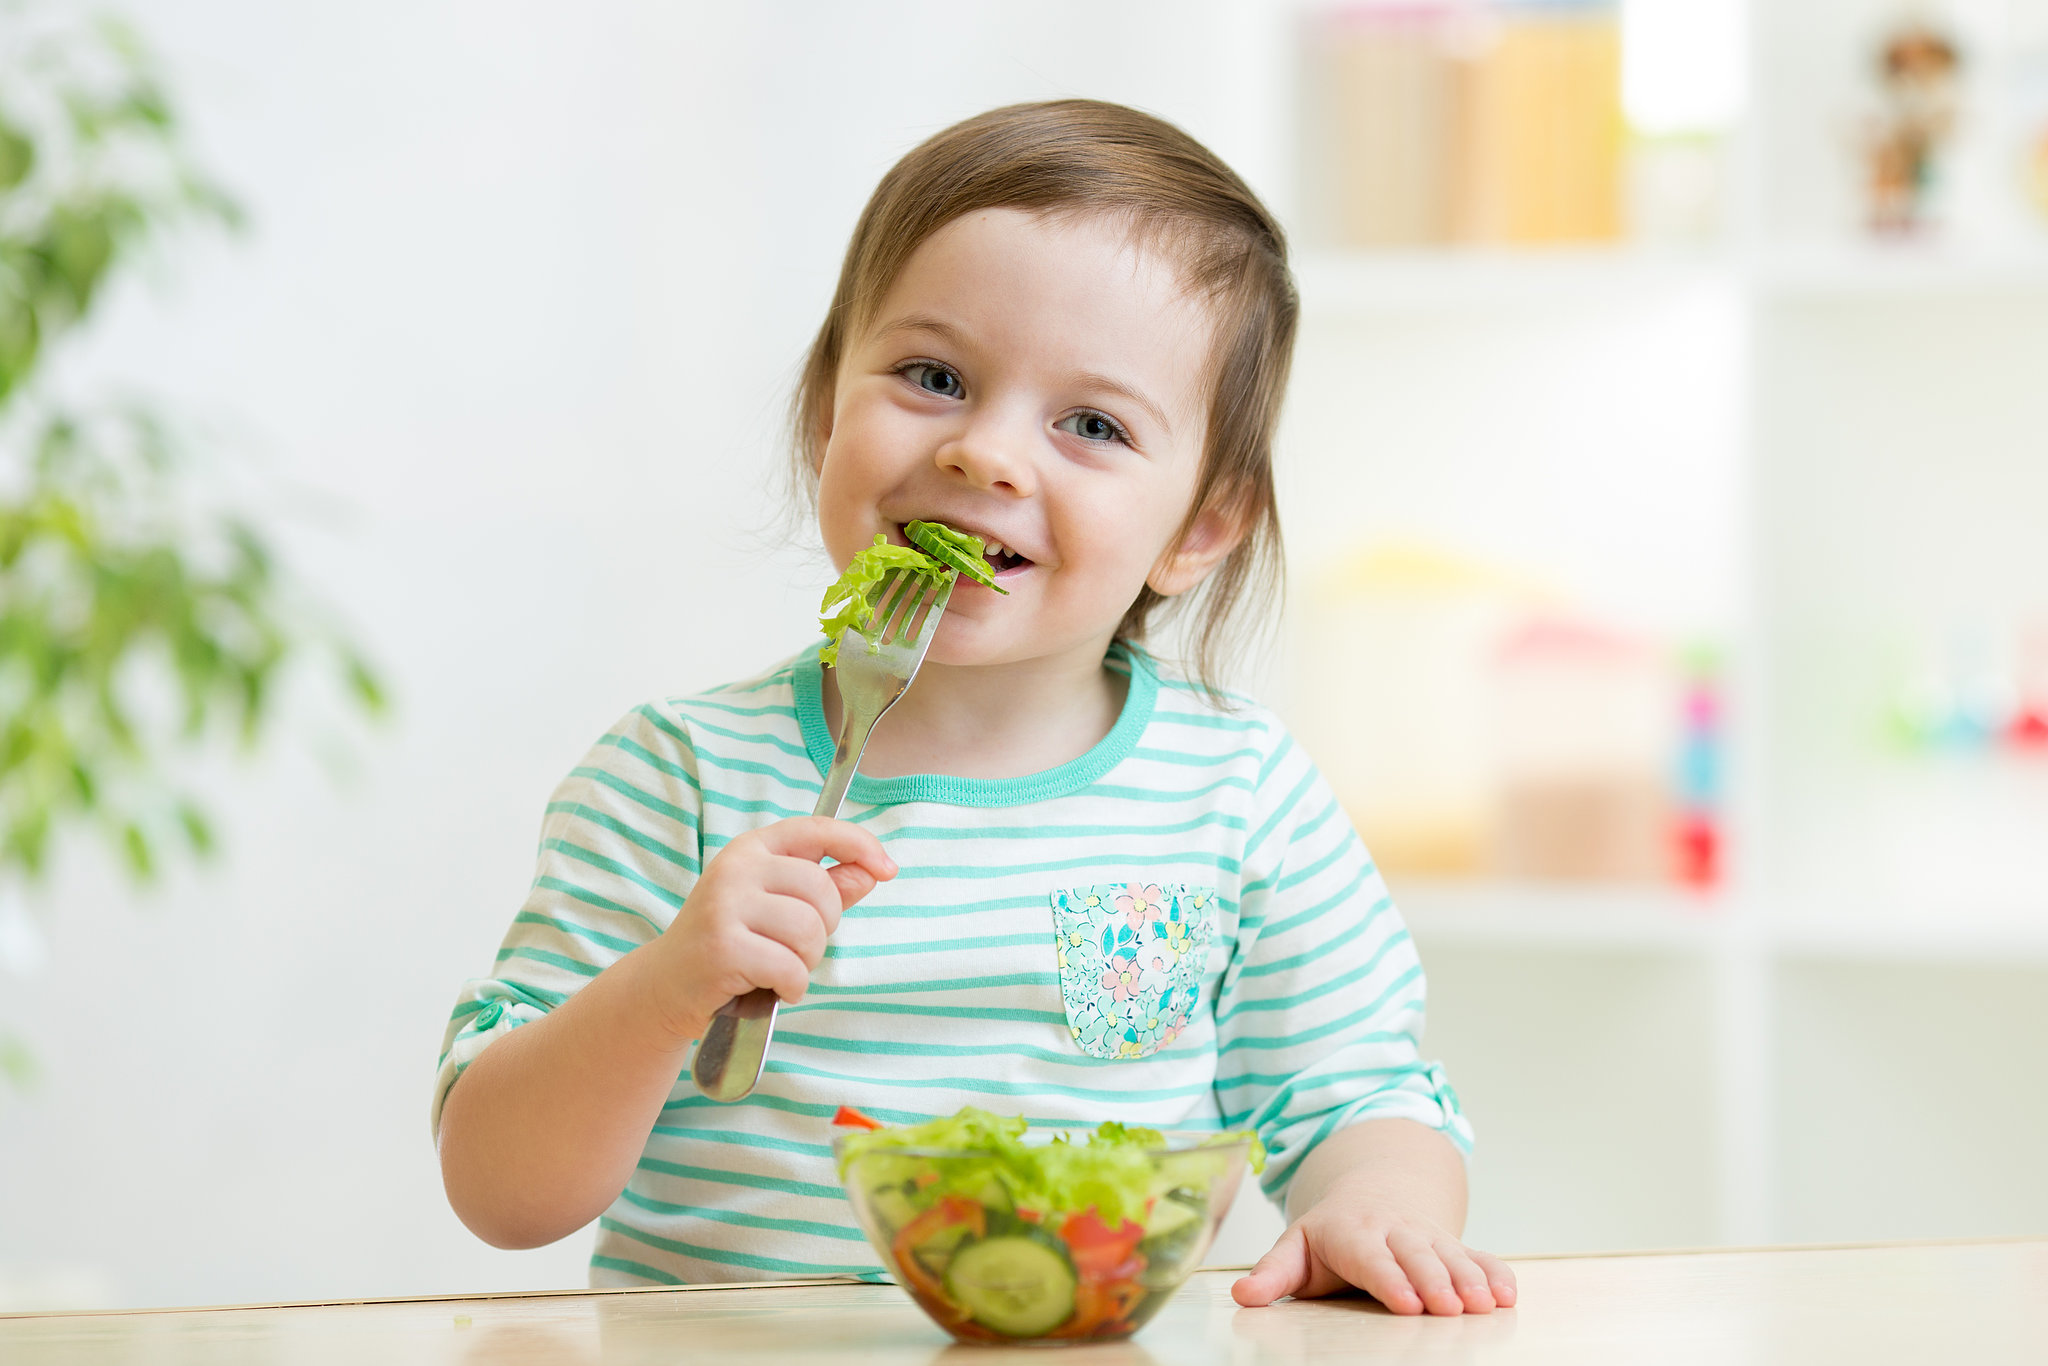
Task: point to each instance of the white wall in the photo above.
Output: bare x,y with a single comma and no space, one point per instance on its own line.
504,350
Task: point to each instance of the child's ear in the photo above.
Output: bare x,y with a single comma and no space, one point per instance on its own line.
1215,533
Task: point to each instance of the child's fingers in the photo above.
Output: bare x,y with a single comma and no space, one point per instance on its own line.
1375,1271
1282,1271
792,923
1500,1278
808,882
853,882
1466,1277
1426,1272
763,960
817,838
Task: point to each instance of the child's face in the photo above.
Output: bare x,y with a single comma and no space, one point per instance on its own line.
1042,384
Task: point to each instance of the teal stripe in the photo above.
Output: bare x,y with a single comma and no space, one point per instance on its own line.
740,1219
1211,820
723,1177
603,941
768,738
1186,760
1280,813
1301,875
740,1138
554,960
994,941
1272,761
1308,828
1013,979
1327,947
1155,795
887,1114
801,782
1205,720
752,806
772,709
1278,1103
640,1269
1336,1026
896,910
1280,928
1266,1080
590,898
680,815
652,760
1051,1017
1356,974
890,1048
612,866
919,872
626,832
752,1261
1280,1173
977,1085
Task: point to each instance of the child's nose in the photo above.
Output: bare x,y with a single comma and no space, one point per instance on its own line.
993,453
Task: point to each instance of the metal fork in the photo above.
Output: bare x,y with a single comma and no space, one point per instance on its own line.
873,673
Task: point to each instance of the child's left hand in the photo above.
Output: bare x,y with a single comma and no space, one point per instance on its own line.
1381,1203
1408,1264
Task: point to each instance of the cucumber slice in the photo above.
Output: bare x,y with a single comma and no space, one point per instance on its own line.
893,1206
1021,1286
954,549
935,1253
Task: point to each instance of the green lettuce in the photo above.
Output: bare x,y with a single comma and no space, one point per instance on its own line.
954,549
1114,1171
850,601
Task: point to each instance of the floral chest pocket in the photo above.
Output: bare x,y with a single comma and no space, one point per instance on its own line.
1132,957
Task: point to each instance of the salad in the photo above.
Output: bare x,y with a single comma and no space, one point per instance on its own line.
999,1239
935,551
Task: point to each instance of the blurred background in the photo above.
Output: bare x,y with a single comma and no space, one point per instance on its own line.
1666,483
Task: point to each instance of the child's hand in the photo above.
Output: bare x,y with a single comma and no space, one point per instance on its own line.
760,915
1408,1264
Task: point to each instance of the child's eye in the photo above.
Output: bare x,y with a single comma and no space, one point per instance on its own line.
1090,425
932,378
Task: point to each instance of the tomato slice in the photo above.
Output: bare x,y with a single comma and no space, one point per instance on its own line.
1100,1252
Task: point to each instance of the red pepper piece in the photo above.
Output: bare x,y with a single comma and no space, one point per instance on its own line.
849,1118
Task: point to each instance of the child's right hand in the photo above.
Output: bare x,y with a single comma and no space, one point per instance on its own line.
760,915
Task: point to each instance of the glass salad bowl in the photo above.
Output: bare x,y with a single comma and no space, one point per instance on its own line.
1031,1243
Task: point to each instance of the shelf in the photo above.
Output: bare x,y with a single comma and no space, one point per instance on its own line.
2008,941
1340,284
1607,919
1337,284
1902,270
1564,916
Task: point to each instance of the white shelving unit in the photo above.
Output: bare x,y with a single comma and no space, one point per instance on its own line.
1862,432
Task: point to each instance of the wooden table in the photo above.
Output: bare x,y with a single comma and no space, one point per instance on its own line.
1947,1302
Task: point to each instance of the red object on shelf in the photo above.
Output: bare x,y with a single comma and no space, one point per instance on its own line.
1697,847
2029,730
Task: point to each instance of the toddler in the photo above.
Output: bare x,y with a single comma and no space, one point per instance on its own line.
1072,882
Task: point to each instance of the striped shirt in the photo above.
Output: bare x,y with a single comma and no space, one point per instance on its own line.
1178,929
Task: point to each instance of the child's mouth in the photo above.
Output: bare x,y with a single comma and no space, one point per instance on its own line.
1001,559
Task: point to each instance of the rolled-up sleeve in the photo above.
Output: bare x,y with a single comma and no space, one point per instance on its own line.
1319,1016
619,852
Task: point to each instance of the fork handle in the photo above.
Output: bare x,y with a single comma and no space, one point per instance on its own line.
734,1048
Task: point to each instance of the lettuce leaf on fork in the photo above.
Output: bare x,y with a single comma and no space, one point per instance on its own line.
851,601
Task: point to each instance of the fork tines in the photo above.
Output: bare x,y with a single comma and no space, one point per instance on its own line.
903,604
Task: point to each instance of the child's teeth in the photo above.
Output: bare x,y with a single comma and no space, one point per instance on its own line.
993,548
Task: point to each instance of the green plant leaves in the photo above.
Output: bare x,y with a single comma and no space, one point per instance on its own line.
136,628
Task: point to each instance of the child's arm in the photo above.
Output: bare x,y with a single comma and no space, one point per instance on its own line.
1380,1205
544,1128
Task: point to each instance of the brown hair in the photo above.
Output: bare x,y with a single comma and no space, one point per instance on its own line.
1088,157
